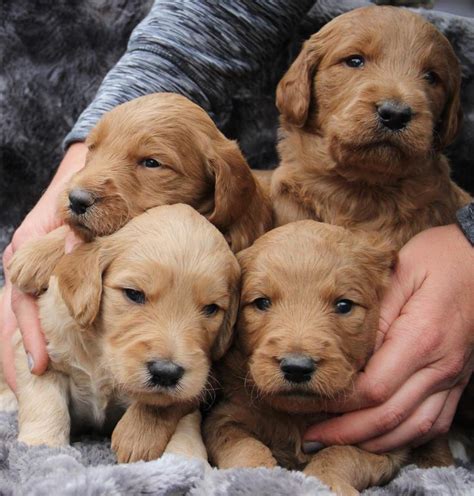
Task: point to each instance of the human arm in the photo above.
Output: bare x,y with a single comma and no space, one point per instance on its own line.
200,48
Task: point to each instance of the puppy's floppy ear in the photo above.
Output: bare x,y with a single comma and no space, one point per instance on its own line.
293,95
234,185
79,275
379,256
452,117
226,331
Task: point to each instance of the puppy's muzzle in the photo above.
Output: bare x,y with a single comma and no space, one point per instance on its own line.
297,368
394,115
80,200
164,373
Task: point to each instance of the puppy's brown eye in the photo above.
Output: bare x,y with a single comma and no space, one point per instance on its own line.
431,77
344,306
355,61
263,304
210,310
150,163
135,295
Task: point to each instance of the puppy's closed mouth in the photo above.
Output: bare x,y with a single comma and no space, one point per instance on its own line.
298,392
78,223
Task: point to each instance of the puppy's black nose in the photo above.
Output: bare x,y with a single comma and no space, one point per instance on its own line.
164,373
80,200
297,368
394,115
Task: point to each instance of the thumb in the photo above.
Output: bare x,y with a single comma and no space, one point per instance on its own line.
404,283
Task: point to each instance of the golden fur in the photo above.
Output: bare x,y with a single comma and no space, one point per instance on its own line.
338,163
303,268
100,342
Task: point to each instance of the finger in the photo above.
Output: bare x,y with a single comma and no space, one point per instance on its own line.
26,312
8,327
445,418
417,426
71,241
362,425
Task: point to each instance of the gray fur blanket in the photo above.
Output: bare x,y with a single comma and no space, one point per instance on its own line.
53,57
88,468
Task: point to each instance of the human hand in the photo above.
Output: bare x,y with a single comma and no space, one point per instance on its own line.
411,386
18,309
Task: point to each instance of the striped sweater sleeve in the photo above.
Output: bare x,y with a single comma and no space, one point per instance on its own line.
202,49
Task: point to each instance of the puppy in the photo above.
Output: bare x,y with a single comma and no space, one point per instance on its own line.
366,110
132,321
308,320
155,150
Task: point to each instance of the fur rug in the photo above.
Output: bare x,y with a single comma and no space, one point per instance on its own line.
88,467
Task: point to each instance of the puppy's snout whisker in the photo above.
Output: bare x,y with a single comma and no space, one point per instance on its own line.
297,368
164,373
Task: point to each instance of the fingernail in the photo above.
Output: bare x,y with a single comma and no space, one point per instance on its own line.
30,360
310,447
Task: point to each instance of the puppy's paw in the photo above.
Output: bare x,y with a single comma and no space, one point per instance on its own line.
133,440
33,263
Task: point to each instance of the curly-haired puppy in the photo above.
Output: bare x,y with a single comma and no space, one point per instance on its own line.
158,149
366,110
308,319
132,320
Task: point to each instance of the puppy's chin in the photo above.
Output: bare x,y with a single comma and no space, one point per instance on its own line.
158,396
364,150
328,383
81,230
190,389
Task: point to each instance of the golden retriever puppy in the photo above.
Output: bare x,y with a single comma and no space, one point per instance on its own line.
308,319
133,321
366,110
156,150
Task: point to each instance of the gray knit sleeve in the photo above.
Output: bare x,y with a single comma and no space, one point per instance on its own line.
199,48
465,218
